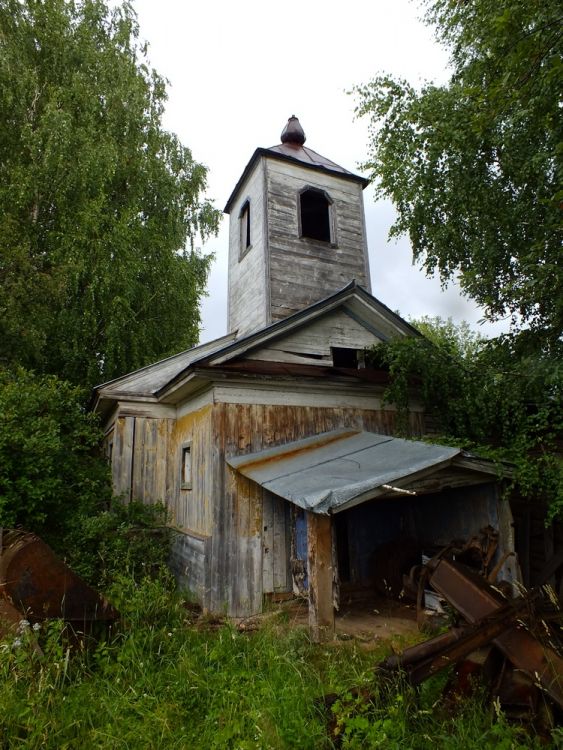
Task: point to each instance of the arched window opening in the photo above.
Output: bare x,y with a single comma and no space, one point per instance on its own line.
244,217
315,215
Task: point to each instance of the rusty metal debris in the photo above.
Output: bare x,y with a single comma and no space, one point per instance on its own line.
520,629
37,585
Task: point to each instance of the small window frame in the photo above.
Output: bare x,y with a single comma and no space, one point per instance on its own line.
186,466
332,241
348,358
245,229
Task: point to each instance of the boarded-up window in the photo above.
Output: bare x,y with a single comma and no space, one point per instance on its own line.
187,466
315,215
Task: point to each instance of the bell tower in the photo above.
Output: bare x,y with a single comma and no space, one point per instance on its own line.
296,233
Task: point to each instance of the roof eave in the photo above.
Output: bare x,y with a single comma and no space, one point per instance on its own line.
293,160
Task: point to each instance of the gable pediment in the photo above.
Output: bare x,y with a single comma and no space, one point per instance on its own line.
348,319
312,344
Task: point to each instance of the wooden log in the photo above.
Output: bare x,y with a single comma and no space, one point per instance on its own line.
320,569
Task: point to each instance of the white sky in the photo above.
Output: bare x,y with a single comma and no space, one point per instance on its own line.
238,70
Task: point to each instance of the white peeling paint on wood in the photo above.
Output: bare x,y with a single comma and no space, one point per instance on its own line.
284,355
303,271
195,404
316,396
189,561
247,274
146,409
282,272
192,508
334,329
275,545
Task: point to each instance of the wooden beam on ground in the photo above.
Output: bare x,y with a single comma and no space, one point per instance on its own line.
320,569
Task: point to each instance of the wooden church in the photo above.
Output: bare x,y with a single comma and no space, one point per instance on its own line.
271,446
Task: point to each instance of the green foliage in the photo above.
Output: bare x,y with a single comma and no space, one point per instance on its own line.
164,680
50,467
126,538
480,395
395,716
99,206
163,683
474,167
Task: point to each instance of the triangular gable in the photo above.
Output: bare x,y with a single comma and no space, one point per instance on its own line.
352,308
357,304
313,343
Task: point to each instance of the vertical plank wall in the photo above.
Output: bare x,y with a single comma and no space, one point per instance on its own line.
301,267
238,578
140,459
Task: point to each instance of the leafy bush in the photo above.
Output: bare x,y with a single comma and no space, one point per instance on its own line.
485,396
127,539
50,465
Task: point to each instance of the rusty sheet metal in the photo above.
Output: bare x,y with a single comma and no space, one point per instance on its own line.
10,617
477,600
430,657
39,585
336,470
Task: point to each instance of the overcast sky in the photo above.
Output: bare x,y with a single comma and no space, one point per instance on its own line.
238,70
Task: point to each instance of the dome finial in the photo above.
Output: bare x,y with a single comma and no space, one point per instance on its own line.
293,132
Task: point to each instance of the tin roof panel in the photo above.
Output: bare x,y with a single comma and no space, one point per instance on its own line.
330,472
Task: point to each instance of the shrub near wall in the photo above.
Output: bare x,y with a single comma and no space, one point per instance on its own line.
51,470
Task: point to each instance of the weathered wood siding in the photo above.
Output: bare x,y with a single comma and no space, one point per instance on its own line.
140,459
334,329
191,509
276,551
239,577
189,561
247,300
301,270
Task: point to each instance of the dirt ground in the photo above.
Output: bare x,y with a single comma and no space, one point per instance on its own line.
368,619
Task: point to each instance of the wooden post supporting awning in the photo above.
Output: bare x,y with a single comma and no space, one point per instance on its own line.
321,575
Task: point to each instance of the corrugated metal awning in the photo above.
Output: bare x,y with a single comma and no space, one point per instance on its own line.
336,470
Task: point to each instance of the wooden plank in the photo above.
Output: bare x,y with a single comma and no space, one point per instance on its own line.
280,541
220,511
320,573
241,592
189,562
149,482
137,469
122,459
268,543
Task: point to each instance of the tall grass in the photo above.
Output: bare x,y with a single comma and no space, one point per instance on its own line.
162,680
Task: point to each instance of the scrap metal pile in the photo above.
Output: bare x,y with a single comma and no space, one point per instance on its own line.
36,585
515,644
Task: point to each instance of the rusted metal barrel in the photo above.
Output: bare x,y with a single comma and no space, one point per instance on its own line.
38,584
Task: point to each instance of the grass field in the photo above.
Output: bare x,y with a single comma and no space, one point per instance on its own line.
164,679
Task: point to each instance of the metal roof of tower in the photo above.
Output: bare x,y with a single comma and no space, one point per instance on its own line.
292,149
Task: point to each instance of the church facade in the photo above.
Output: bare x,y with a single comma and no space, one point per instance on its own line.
271,446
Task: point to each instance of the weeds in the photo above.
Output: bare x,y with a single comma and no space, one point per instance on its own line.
159,682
